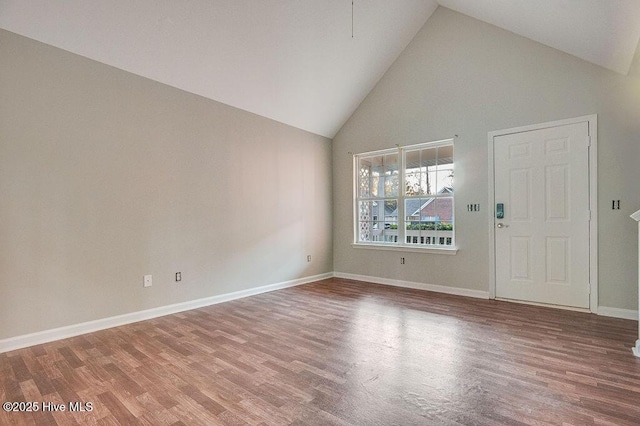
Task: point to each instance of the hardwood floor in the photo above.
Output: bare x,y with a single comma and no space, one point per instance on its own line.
338,352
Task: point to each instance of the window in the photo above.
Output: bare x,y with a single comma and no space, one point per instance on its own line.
404,196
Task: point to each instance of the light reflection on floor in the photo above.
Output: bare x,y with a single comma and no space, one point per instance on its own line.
408,357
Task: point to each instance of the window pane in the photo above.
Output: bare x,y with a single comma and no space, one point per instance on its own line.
412,173
365,214
364,178
391,211
370,171
377,220
420,171
378,176
377,229
429,219
417,224
392,180
413,208
444,177
445,155
445,232
441,209
428,163
444,225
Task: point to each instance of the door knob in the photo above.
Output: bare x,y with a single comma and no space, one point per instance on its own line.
502,225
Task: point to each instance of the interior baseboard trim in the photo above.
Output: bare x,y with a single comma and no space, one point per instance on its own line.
478,294
618,313
19,342
545,305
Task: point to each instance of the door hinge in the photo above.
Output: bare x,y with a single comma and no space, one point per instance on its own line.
588,140
589,215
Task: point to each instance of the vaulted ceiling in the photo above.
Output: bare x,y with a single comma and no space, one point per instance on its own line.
296,61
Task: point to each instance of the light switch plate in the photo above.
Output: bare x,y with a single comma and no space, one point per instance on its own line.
147,281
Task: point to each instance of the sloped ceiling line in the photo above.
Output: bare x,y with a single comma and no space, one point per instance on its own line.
294,61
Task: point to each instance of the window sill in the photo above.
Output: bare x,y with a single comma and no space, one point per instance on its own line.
451,251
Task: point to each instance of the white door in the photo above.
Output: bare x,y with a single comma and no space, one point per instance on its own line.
542,243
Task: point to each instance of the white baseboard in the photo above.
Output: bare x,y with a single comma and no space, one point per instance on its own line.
18,342
618,313
478,294
45,336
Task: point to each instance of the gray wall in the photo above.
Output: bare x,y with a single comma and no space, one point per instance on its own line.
106,176
461,76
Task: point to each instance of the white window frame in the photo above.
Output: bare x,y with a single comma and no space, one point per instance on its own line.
401,245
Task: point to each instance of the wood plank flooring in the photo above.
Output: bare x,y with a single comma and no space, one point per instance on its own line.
338,352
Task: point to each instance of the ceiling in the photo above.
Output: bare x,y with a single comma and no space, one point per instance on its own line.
295,61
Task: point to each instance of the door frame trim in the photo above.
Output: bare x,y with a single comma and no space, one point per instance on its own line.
592,121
